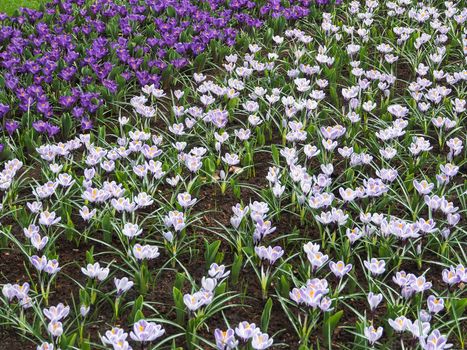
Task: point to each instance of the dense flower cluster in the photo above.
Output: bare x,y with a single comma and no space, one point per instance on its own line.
73,56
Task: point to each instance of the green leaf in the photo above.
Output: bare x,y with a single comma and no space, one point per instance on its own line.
329,325
211,252
266,315
275,154
236,268
138,316
179,306
137,306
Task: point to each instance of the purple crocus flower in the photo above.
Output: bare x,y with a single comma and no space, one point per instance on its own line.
40,126
11,126
52,130
86,124
3,109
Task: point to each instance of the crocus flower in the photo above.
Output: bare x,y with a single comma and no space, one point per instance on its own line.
340,269
57,313
47,218
374,300
55,328
376,267
225,340
372,334
261,341
96,271
145,332
435,341
269,253
122,285
435,305
399,324
246,330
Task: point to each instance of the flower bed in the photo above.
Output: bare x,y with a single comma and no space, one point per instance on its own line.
75,59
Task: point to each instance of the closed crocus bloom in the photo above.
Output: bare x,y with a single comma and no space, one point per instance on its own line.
208,284
39,242
122,285
8,291
453,219
84,310
145,332
425,316
325,304
372,334
55,328
261,341
374,300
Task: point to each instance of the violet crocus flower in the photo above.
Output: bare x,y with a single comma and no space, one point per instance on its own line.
435,341
225,339
52,130
372,334
374,300
57,313
3,110
435,305
261,341
246,330
376,267
96,271
340,269
122,285
11,126
40,126
271,254
145,332
86,124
